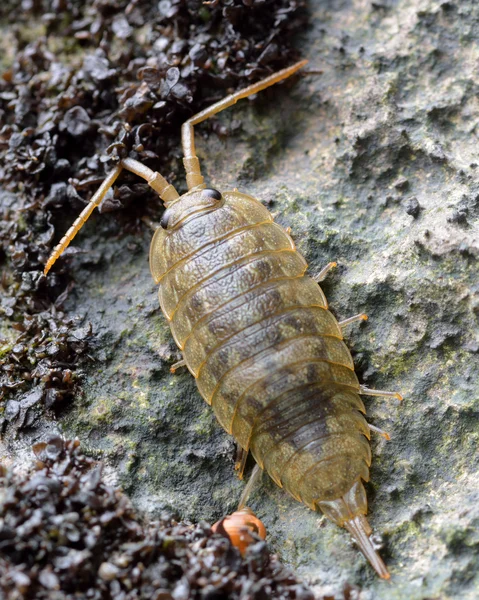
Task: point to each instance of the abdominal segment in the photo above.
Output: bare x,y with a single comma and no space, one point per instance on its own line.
266,353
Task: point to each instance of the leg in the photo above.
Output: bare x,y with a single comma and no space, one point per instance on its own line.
361,317
240,462
367,392
155,180
324,271
254,478
385,434
177,365
194,178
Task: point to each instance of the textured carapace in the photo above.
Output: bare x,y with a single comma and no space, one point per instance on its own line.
238,528
256,333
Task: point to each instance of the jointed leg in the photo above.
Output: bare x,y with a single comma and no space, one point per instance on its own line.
324,271
385,434
361,317
177,365
320,277
240,462
166,192
194,178
254,478
367,392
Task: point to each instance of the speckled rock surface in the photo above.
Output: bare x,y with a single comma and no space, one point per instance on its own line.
374,163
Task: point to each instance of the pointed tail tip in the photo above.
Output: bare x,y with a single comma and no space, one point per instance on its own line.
357,530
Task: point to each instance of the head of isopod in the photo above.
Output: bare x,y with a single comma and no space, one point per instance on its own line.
238,528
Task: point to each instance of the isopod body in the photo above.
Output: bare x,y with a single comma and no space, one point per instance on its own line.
267,354
256,333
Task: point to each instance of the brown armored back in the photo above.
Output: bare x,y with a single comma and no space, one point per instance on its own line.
266,353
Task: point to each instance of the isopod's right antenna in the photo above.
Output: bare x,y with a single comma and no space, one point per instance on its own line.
165,190
194,179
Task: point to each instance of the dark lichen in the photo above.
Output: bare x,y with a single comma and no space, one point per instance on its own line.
64,532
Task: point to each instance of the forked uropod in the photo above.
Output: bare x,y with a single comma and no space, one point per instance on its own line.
256,333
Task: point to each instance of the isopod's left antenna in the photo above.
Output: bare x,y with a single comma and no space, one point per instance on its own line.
83,217
166,192
156,181
194,179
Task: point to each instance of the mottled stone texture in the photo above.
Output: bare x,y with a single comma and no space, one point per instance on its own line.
373,161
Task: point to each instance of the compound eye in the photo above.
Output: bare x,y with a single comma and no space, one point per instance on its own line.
165,218
211,193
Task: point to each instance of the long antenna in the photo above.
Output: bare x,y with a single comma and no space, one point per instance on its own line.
83,217
194,178
156,181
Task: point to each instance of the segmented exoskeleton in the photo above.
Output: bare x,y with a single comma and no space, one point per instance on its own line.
256,333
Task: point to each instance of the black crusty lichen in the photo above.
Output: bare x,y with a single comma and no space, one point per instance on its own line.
65,533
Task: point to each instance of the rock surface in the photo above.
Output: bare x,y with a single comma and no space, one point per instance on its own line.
373,161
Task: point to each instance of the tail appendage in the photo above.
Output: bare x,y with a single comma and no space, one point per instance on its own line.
349,512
